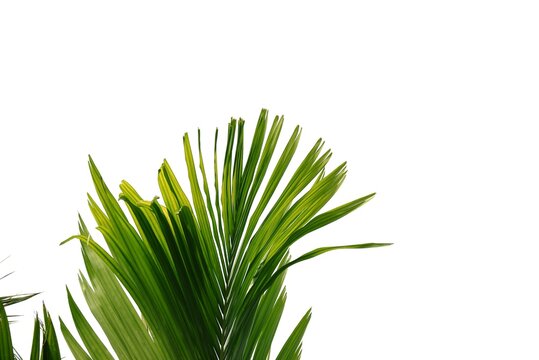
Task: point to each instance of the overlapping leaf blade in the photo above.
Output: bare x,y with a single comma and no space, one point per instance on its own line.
44,340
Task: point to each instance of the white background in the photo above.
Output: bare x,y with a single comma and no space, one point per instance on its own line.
434,105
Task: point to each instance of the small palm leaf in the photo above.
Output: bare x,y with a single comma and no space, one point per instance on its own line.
7,352
201,277
46,349
45,342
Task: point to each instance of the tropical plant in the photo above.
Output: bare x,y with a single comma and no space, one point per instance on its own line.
202,278
45,349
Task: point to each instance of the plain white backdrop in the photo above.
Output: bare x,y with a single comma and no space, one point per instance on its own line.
434,104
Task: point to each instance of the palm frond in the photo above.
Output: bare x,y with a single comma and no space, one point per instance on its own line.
14,299
7,352
44,340
202,277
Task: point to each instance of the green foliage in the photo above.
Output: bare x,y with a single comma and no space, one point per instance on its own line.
202,277
6,347
44,342
41,350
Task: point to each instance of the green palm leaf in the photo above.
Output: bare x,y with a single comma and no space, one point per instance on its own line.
203,277
6,347
49,349
46,349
